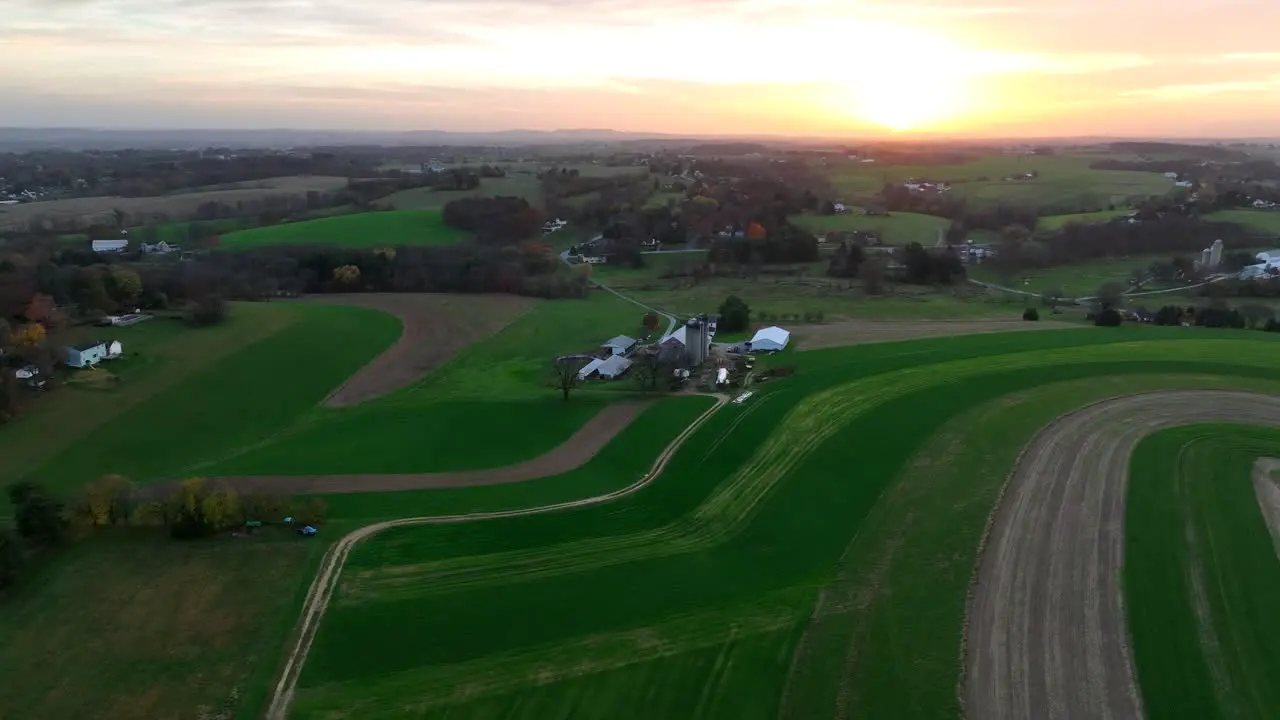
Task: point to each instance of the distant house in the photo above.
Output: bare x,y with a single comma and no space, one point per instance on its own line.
86,354
161,247
30,376
1171,175
770,339
620,345
110,246
1263,204
840,208
613,368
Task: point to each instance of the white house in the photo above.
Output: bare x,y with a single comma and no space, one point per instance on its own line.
109,246
86,354
1263,204
770,339
1171,175
614,367
841,209
1183,184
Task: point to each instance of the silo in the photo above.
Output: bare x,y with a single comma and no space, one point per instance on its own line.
1206,259
695,331
1215,254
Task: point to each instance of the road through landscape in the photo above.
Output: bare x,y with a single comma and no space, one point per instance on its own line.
1046,633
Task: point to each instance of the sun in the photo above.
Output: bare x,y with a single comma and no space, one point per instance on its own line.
906,101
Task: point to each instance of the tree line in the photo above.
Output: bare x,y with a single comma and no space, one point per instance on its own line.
197,509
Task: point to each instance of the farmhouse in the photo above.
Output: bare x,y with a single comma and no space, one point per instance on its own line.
109,246
620,345
86,354
30,375
770,339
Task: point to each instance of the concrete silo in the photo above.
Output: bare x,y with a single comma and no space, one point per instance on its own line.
696,340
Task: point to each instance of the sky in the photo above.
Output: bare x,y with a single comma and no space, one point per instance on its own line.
985,68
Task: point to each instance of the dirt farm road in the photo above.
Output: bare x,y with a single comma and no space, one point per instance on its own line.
1046,635
321,590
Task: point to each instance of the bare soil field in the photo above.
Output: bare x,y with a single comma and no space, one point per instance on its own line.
177,206
856,332
436,327
1046,632
1267,487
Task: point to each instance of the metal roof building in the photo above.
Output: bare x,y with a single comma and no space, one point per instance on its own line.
770,339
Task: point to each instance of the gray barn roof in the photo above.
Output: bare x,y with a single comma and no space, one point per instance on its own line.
622,341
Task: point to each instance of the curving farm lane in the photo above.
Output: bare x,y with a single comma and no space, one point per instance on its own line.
1046,635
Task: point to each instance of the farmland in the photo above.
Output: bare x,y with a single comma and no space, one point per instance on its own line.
1057,222
712,587
822,550
524,186
1076,279
1266,223
100,209
1062,181
372,229
898,228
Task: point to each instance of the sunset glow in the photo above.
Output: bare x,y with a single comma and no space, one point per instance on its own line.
1028,67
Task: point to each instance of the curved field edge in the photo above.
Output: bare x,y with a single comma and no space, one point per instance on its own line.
322,588
700,571
1201,574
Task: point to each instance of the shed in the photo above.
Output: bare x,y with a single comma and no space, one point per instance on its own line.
109,246
589,368
614,367
769,339
86,354
620,345
114,349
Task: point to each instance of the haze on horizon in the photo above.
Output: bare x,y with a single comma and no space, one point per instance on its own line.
808,67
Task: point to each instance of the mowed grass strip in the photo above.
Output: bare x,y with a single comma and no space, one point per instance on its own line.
754,540
358,230
620,463
246,397
440,437
140,626
1201,577
884,636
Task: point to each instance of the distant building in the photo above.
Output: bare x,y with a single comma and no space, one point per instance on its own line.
620,345
770,339
614,368
109,246
86,354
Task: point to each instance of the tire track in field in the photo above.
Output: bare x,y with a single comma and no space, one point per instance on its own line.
1267,488
321,590
1046,630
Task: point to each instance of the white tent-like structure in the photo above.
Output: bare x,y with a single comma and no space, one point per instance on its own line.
770,339
614,367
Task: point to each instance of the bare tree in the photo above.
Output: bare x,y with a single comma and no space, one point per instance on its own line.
565,372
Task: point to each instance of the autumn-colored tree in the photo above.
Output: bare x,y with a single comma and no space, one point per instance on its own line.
199,510
126,284
756,231
651,322
108,500
29,335
41,308
346,275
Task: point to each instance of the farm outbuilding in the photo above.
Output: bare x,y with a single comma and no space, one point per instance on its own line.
109,246
86,354
620,345
588,369
770,339
613,368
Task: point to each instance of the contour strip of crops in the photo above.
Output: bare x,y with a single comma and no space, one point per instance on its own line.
730,507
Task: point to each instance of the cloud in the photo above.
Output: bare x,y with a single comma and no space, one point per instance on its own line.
1209,89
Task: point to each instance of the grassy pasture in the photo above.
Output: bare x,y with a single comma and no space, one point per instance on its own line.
99,209
1263,222
900,228
1057,222
130,627
1201,575
1078,278
371,229
1063,180
726,554
525,186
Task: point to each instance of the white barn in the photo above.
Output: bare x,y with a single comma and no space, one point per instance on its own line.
614,367
769,339
590,368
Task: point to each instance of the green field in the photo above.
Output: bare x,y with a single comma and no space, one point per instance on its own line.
1263,222
898,228
805,554
1202,575
698,591
1076,279
371,229
1063,181
525,186
1057,222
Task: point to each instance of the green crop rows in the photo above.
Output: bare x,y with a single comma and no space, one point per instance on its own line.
806,554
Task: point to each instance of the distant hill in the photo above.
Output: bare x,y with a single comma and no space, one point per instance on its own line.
1203,152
